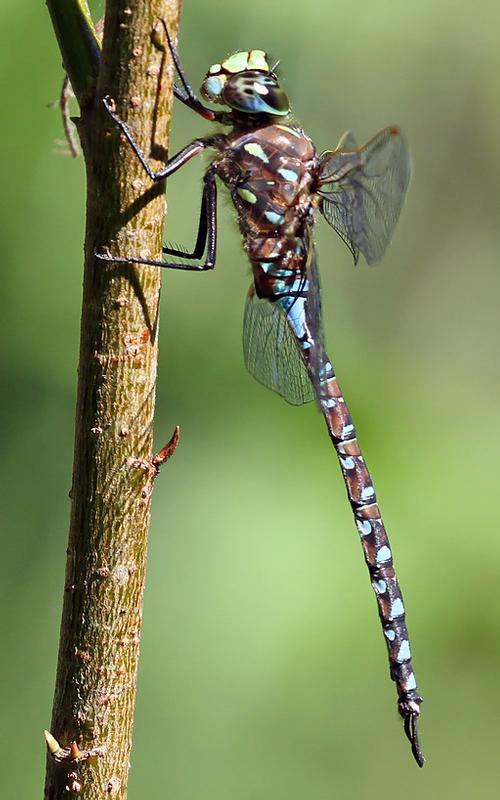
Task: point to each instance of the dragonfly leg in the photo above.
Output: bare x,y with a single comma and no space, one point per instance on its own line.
206,237
206,221
186,95
173,164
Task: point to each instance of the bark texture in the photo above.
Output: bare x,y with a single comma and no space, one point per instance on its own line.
113,470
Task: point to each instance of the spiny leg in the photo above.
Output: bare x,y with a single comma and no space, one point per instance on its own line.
187,95
173,164
207,236
203,226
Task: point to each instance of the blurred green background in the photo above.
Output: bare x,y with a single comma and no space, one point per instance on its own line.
263,670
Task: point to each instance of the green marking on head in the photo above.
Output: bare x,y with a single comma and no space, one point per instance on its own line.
245,60
236,63
257,59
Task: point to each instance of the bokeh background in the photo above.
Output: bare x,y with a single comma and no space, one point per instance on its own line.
263,670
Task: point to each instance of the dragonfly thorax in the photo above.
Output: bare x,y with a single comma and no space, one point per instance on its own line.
246,83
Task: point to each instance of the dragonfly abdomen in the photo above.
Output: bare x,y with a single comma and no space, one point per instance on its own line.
373,536
278,265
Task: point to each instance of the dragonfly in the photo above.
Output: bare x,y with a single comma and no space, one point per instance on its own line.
278,183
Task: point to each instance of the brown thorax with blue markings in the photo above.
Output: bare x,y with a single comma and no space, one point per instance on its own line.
269,172
268,163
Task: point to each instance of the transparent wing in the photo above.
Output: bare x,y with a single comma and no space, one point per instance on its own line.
282,337
271,350
362,190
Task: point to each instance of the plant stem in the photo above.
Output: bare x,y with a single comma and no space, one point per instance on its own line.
114,467
78,43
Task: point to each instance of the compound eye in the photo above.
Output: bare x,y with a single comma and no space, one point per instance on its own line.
255,93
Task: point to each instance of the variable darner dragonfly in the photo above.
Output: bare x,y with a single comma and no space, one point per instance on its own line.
277,182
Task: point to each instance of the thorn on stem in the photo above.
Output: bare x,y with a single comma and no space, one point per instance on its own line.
166,451
69,754
152,465
52,744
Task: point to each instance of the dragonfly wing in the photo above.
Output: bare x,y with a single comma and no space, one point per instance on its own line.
362,190
315,353
271,350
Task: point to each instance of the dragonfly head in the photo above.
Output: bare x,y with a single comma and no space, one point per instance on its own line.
246,83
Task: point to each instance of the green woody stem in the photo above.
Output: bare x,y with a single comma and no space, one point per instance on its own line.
114,468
